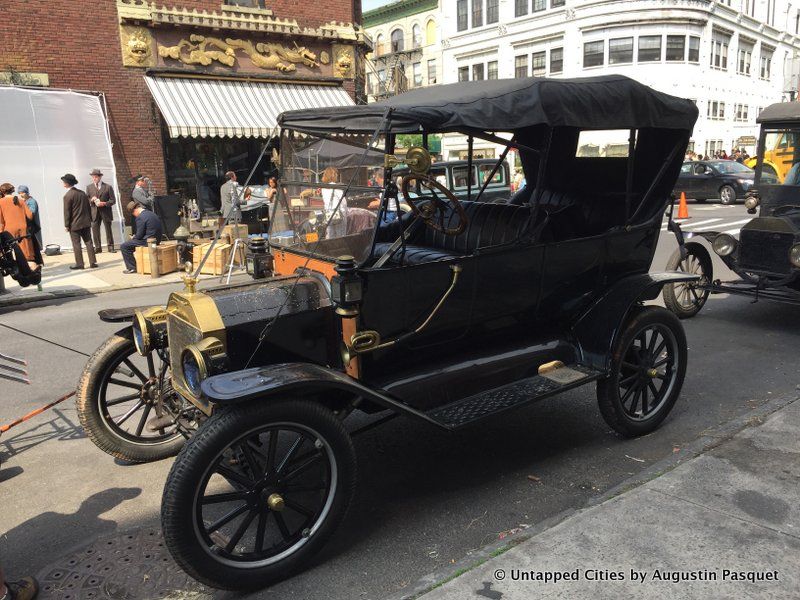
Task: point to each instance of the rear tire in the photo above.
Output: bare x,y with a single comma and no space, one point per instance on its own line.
648,365
727,195
684,299
241,452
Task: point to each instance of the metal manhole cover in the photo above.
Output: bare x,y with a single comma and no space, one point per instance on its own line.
133,565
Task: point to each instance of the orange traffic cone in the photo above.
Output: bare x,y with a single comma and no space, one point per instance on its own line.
683,209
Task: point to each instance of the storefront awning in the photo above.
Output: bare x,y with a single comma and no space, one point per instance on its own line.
220,108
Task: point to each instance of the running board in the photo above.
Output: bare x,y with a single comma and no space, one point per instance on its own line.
474,408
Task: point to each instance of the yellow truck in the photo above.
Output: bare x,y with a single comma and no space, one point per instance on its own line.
779,154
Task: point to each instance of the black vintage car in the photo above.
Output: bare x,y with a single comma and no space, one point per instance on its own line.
766,257
451,314
723,180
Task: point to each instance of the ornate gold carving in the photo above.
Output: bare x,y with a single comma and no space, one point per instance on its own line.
198,54
137,44
324,58
343,60
275,56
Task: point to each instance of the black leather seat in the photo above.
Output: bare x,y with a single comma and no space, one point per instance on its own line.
487,225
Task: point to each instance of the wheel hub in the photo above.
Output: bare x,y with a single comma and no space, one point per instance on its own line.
150,391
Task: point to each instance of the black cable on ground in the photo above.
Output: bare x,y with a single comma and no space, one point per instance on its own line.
44,340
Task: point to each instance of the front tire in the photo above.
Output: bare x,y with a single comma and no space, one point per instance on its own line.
727,195
648,365
257,492
684,299
116,397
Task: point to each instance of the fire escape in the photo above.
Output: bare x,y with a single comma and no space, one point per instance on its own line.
387,69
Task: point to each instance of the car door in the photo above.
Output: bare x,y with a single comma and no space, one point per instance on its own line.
709,182
684,183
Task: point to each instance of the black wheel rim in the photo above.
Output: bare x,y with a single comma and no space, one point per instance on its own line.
265,496
647,372
133,389
687,293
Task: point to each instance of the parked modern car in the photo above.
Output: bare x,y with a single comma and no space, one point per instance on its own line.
453,175
766,257
725,180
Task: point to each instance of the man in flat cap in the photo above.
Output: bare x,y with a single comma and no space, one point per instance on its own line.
146,225
102,198
78,221
141,195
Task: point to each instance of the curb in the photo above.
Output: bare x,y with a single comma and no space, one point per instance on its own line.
713,438
6,302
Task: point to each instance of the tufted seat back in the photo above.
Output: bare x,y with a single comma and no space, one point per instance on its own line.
487,225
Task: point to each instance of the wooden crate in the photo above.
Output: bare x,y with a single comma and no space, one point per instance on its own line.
167,253
235,232
219,260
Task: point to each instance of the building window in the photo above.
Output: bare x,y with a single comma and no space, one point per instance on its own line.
430,33
556,60
676,48
462,15
620,50
521,66
416,71
716,110
491,70
749,7
477,13
246,3
539,64
719,51
463,73
416,36
766,65
694,49
432,71
539,5
745,58
712,147
521,8
379,49
741,112
398,43
477,72
557,3
649,48
594,54
492,11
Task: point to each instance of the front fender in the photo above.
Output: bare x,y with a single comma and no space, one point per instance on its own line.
120,315
598,327
274,380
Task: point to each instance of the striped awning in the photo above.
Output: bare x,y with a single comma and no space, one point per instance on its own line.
219,108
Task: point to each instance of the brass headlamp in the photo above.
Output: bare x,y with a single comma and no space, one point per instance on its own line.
149,330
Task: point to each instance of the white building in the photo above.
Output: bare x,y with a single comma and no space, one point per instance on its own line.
733,57
408,51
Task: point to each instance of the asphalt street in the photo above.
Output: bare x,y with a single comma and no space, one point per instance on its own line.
425,499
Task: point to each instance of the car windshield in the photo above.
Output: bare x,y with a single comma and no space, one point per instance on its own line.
329,195
730,167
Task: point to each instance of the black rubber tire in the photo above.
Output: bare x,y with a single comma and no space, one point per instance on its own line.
727,195
608,389
190,467
675,263
87,402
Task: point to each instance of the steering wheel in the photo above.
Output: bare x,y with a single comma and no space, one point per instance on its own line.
428,206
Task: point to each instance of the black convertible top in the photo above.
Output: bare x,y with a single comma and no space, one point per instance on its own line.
607,102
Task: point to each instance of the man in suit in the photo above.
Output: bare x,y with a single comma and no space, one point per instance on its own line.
102,198
78,221
147,225
141,195
227,196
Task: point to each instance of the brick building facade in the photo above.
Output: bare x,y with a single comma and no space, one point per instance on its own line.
113,45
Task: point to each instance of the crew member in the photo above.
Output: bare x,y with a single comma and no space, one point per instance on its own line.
141,195
147,225
227,196
102,198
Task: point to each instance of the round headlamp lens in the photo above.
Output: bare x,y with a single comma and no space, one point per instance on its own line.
724,244
751,202
141,337
794,255
192,370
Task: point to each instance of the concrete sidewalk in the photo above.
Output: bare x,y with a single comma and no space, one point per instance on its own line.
723,525
58,281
